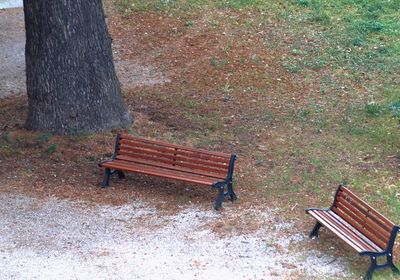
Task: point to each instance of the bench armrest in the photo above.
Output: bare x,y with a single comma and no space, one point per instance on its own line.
319,209
100,164
373,254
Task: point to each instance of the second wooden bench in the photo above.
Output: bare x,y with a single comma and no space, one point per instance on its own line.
171,161
360,226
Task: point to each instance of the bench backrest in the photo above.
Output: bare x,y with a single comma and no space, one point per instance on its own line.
364,218
161,154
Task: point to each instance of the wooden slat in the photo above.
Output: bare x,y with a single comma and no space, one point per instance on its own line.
357,223
368,234
367,212
364,216
171,167
130,137
345,231
154,171
176,151
389,224
322,220
371,234
133,150
361,222
356,232
150,157
349,231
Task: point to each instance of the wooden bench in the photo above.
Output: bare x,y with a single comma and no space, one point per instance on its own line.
360,226
170,161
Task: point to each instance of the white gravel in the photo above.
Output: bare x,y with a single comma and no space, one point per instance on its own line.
58,239
12,52
6,4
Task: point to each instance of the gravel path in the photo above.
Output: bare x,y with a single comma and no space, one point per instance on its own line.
55,239
6,4
12,49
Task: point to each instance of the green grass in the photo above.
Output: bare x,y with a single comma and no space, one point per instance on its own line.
356,36
348,51
343,128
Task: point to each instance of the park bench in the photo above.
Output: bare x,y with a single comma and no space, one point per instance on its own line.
360,226
161,159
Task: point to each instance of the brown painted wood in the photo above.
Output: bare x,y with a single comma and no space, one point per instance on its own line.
171,167
347,229
361,221
172,162
183,148
172,157
342,236
364,231
159,172
354,233
367,233
369,215
359,234
364,217
368,218
175,151
385,220
355,222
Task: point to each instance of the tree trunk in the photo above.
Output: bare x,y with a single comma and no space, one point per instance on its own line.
71,82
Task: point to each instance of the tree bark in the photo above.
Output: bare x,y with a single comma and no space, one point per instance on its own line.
71,81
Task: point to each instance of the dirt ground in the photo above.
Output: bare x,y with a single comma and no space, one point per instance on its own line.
57,223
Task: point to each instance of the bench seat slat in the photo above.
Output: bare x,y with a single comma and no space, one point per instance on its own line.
344,230
160,172
319,217
356,225
183,148
172,162
369,243
175,151
171,157
158,163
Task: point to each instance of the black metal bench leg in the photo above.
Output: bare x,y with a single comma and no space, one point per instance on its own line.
391,264
371,269
314,232
394,269
231,192
220,198
121,174
106,179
